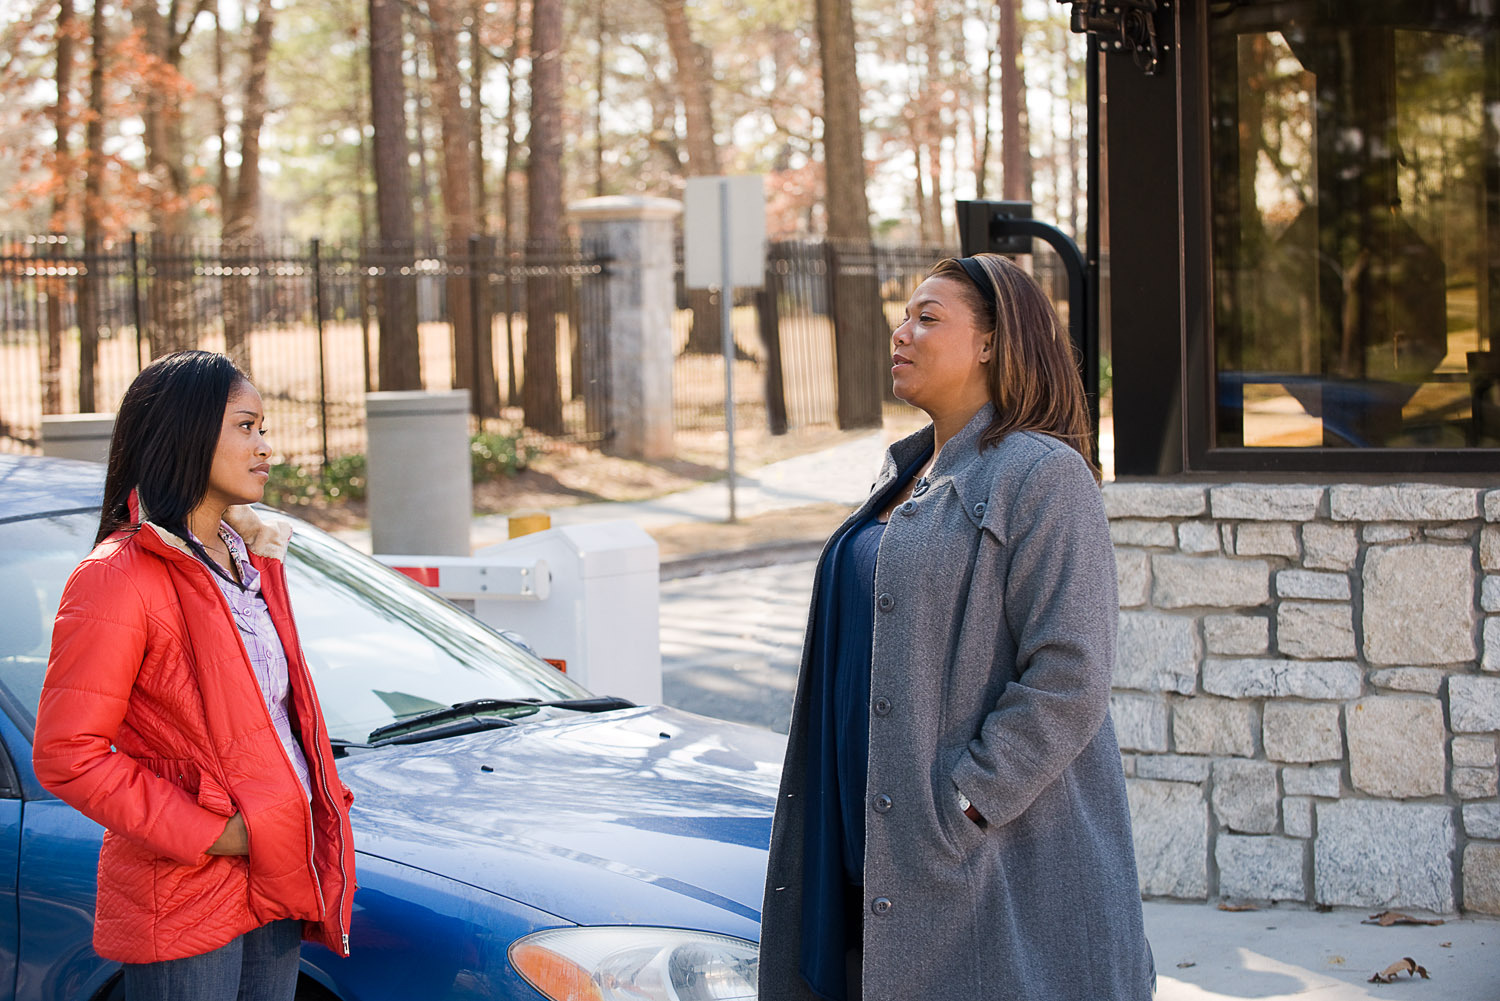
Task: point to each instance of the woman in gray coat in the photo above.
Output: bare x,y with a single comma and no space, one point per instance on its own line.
952,822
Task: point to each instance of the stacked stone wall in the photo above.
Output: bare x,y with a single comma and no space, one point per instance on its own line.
1307,691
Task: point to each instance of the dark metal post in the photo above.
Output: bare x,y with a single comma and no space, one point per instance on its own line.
1005,226
770,339
1092,235
477,365
1078,304
135,295
317,269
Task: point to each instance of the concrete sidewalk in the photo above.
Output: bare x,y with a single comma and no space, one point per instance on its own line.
841,474
1205,954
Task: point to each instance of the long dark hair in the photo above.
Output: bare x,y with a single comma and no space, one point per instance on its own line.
166,432
1032,373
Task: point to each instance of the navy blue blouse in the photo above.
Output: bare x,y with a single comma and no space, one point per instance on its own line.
838,737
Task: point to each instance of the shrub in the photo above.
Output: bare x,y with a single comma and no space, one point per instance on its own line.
290,485
344,477
495,456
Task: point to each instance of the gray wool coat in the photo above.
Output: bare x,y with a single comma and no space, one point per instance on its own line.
994,644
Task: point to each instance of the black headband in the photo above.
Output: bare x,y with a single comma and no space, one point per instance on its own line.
981,278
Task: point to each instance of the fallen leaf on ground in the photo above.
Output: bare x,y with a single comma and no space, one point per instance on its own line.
1184,966
1227,906
1407,965
1387,918
1445,945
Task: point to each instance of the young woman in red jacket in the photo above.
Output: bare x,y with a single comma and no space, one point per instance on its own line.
179,713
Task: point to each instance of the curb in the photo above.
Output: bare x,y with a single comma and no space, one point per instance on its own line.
764,555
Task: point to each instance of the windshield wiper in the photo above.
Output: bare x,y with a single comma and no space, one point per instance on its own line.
477,707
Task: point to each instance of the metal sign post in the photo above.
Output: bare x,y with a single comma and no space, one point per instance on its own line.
726,331
724,236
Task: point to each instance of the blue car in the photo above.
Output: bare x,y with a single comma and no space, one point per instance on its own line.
517,838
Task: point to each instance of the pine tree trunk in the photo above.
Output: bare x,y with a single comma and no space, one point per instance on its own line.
400,358
57,288
477,70
858,323
1015,181
240,217
170,292
472,368
541,396
693,78
90,286
507,214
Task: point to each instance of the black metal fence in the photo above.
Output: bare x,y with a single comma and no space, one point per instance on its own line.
301,318
786,366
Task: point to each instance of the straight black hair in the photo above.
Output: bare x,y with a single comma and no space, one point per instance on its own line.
166,432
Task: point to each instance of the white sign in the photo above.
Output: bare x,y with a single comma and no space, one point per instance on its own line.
703,232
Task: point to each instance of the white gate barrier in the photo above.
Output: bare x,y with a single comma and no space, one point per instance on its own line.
584,597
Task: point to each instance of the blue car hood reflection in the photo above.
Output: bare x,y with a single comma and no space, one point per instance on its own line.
638,816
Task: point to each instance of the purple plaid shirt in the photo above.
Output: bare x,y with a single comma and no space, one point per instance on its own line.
266,654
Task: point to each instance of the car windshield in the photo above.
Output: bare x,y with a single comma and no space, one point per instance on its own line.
380,647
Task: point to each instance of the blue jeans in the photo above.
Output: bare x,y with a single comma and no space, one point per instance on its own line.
260,965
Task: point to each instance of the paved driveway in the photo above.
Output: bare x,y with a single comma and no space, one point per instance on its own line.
731,642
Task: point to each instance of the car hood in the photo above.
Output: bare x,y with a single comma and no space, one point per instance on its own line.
637,816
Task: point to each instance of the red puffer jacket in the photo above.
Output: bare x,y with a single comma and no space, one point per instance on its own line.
151,723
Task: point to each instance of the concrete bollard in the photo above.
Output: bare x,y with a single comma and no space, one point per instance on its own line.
420,484
77,436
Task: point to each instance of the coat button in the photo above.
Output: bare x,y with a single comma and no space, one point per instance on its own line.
883,803
881,905
979,510
882,706
921,488
885,602
908,507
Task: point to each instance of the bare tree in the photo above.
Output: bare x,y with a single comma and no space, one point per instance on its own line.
859,327
91,285
476,112
508,229
242,211
400,356
982,158
1015,166
472,350
694,79
62,122
165,34
541,397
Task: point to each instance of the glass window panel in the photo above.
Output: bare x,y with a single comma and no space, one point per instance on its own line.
1355,224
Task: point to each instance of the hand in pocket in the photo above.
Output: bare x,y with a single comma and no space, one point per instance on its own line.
234,841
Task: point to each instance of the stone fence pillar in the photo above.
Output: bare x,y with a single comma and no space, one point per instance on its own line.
77,436
420,482
638,234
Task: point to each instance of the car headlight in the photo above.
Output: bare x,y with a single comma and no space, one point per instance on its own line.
636,964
